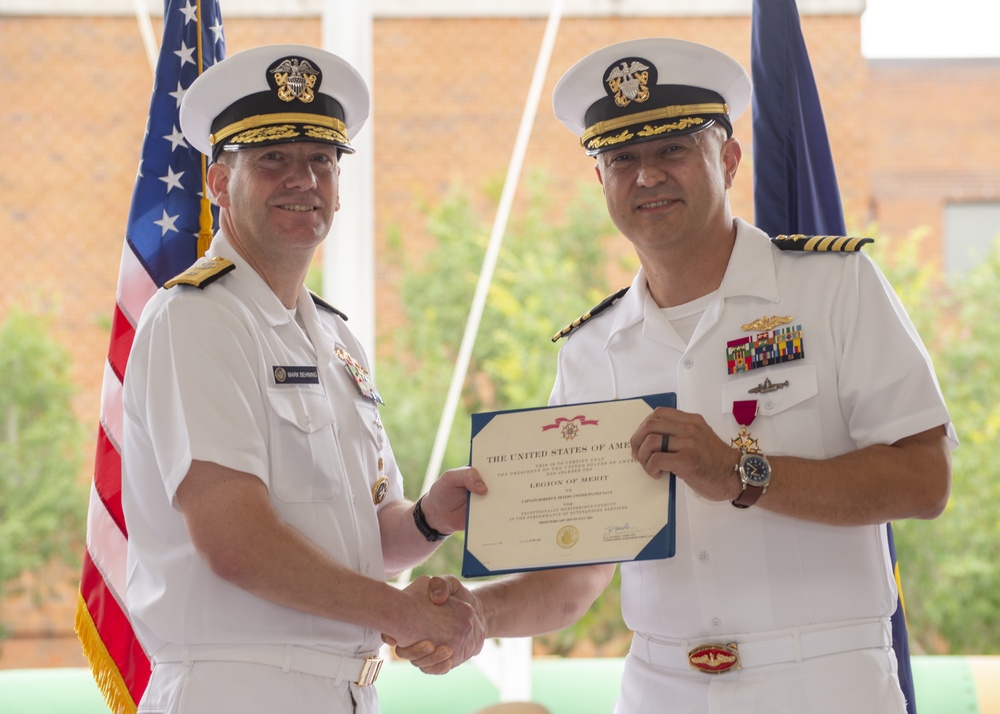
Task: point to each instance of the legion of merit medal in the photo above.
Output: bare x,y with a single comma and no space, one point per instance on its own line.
745,411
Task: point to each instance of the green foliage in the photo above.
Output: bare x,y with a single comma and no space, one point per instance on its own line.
551,268
554,266
950,582
42,504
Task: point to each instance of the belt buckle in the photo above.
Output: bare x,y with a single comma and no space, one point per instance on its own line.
369,671
715,658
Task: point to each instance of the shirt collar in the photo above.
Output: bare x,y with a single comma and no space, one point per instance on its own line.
253,284
751,273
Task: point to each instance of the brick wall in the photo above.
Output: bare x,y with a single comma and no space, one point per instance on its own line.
934,141
906,137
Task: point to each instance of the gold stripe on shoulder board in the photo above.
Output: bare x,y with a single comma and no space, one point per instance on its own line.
821,244
203,272
593,312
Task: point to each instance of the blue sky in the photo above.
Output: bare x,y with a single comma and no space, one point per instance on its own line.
931,28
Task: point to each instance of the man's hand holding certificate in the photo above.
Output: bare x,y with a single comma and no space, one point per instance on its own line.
564,489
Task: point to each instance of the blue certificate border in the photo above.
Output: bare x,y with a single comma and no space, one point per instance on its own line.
662,545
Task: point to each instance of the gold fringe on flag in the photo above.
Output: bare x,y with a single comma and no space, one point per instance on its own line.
205,218
106,675
204,224
899,589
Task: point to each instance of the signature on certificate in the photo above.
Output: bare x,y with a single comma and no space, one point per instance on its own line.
619,529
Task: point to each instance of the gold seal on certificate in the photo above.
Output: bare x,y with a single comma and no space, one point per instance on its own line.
565,490
567,536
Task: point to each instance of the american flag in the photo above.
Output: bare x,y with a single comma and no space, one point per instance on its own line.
169,226
795,182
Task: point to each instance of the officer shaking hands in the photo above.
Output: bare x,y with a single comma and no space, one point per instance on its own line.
808,416
262,499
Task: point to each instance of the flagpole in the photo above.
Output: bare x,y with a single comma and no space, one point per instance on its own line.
795,184
161,239
506,664
146,32
493,247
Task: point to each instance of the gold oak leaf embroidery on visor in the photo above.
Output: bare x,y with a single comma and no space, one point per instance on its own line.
266,133
609,140
675,126
321,132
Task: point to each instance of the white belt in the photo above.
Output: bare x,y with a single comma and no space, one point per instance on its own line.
289,658
728,653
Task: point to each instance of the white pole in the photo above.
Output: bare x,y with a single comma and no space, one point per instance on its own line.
493,247
349,250
146,31
507,663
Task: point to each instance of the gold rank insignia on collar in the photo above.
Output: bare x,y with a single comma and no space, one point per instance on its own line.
593,312
205,271
821,244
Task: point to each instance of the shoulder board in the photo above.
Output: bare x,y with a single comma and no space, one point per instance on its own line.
822,244
320,302
593,312
205,271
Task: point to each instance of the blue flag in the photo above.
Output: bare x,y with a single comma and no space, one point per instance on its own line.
795,183
169,208
169,226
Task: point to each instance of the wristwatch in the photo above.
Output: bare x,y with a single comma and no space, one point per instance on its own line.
426,529
755,473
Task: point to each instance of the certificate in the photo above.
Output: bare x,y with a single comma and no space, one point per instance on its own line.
564,489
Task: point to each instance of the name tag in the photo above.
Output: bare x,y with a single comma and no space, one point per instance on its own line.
295,375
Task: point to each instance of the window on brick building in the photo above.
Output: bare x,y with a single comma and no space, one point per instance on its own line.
970,230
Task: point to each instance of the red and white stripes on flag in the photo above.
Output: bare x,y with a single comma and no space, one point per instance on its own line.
169,227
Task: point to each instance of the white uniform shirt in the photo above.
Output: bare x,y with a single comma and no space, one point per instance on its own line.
865,379
201,384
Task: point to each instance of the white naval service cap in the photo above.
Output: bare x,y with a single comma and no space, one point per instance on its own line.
647,89
275,94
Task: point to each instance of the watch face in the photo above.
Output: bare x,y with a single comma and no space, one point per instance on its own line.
756,470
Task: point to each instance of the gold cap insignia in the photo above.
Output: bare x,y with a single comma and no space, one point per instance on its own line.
628,81
295,78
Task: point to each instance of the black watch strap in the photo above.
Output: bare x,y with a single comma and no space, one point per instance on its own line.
423,526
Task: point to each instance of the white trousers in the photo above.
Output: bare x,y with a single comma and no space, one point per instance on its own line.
221,687
857,682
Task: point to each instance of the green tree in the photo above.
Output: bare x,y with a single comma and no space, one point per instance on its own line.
42,504
553,267
950,581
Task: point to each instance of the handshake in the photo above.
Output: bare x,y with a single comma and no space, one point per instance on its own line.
449,629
